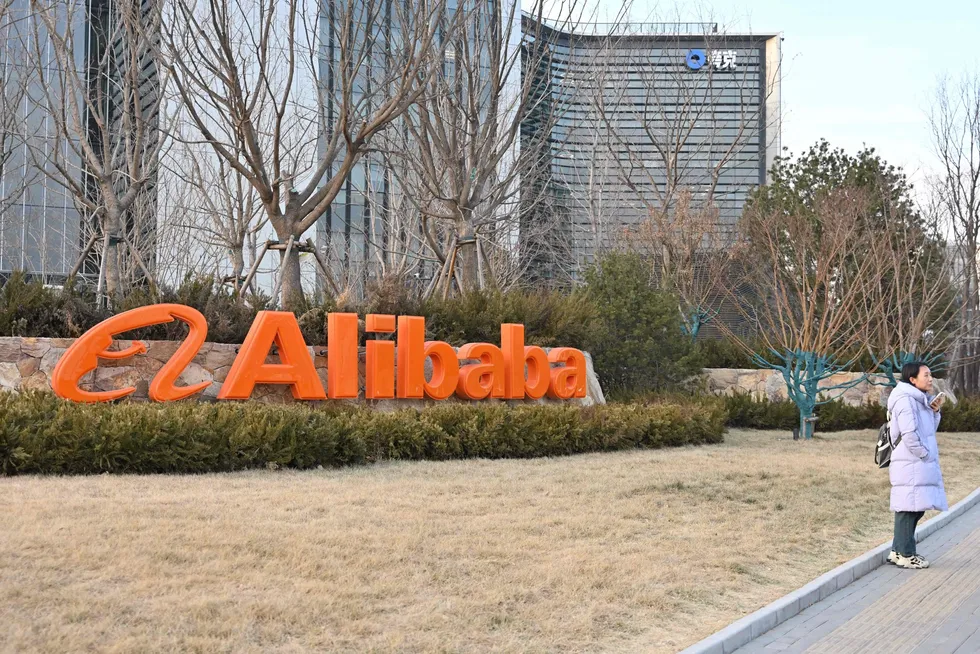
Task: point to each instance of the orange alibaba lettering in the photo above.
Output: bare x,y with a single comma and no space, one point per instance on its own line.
84,354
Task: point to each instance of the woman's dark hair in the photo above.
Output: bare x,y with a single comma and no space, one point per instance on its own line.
910,370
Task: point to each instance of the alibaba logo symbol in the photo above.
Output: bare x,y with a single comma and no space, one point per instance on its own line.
84,354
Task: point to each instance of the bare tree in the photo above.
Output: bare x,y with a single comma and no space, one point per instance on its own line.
691,255
103,95
463,142
916,288
13,88
805,283
955,124
211,214
291,112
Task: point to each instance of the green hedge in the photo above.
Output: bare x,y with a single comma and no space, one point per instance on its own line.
746,412
41,434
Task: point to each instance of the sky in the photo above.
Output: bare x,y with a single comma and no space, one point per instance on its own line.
857,73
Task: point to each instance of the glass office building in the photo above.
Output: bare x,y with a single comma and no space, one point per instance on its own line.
39,222
42,228
635,115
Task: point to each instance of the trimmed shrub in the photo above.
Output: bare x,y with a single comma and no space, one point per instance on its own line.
962,416
637,344
748,413
838,416
41,434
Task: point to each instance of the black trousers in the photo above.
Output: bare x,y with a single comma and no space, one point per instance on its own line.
905,522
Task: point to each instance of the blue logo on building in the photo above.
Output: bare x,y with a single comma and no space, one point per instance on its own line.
696,58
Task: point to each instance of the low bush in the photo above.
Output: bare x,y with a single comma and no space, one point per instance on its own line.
962,416
41,434
28,308
723,353
748,413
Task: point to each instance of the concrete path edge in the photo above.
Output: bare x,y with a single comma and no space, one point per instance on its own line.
754,625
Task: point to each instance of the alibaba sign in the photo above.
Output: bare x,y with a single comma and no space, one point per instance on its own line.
511,371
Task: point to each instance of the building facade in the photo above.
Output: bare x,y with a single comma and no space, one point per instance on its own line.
44,227
40,225
638,117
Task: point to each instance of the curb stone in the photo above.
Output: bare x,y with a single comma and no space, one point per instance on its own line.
754,625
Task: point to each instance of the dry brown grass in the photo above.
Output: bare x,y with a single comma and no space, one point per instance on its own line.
642,551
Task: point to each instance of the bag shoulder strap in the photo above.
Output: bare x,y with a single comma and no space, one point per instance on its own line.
888,415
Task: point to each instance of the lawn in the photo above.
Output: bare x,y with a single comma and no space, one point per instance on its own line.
644,551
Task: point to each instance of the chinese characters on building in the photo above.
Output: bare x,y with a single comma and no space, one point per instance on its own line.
723,59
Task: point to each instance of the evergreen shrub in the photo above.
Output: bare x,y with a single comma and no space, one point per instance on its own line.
42,434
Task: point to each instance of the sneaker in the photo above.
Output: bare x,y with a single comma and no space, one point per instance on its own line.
892,557
914,562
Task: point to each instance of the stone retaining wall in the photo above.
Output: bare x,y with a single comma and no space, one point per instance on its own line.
770,384
27,363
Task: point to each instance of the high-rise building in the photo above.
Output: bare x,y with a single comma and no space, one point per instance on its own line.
638,115
39,222
374,219
43,226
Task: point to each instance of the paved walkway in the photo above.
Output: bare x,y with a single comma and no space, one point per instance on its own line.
896,611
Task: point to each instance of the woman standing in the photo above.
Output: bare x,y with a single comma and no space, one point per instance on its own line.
917,482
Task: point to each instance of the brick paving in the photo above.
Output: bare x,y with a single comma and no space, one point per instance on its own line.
895,611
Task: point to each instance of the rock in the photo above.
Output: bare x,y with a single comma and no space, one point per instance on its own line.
775,386
221,357
29,362
50,360
112,379
61,343
9,376
147,366
593,390
854,396
10,349
194,374
162,350
28,366
35,347
721,378
142,390
36,382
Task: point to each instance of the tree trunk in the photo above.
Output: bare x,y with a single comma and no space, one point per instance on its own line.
291,295
237,265
466,258
113,267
